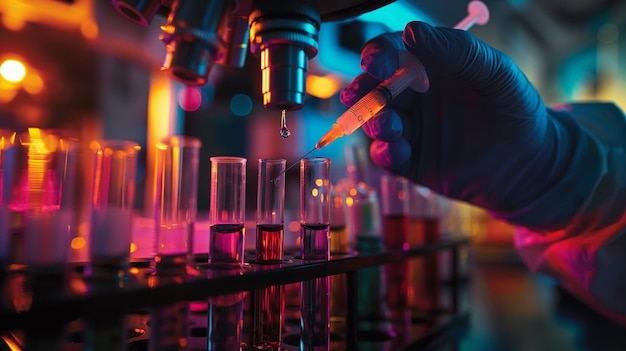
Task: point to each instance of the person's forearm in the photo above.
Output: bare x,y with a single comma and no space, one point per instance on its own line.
588,255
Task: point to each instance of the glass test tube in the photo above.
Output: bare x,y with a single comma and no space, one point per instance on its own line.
339,245
270,210
7,165
424,223
175,201
339,240
315,244
395,207
268,302
43,194
227,211
115,163
315,208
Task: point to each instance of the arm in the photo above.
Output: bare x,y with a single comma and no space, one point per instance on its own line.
588,256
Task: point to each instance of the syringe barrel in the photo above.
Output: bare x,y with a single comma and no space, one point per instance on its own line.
374,101
364,109
400,80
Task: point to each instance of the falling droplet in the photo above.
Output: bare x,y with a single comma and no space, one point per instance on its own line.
284,131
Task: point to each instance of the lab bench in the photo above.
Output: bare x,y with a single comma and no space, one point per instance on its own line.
44,307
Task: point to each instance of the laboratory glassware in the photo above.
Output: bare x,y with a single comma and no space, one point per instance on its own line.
115,164
315,245
43,194
268,302
270,210
227,211
175,201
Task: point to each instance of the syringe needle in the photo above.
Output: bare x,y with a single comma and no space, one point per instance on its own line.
303,156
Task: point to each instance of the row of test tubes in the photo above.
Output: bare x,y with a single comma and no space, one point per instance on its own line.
40,173
39,193
39,177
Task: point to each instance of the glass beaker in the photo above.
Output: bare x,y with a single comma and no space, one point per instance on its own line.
227,211
115,163
43,194
175,201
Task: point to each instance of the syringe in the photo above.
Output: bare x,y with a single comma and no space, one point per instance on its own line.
410,74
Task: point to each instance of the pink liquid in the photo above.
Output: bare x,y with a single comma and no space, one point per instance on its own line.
315,241
269,243
226,244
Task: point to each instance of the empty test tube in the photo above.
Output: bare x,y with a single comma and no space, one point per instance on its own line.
175,202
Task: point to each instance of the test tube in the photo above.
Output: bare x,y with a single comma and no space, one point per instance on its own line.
315,245
270,210
339,239
227,211
175,193
43,194
115,163
424,219
315,208
395,207
7,165
268,302
339,245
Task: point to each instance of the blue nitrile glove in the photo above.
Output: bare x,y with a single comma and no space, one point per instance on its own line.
481,133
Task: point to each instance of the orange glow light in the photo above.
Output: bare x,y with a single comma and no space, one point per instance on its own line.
322,87
12,70
77,243
13,22
33,84
89,29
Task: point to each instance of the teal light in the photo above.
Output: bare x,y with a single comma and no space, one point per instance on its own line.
241,105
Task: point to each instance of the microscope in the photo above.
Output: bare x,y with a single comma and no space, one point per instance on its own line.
283,34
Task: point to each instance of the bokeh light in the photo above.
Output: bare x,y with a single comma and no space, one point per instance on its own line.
190,99
322,87
12,70
241,105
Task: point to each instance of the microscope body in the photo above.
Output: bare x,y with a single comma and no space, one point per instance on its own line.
282,34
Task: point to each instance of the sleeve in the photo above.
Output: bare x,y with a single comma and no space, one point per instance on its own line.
588,256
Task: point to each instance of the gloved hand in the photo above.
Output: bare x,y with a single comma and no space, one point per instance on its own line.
481,133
